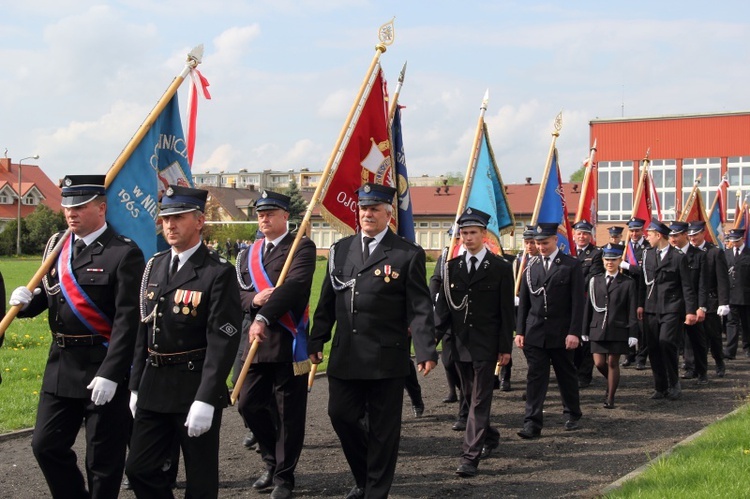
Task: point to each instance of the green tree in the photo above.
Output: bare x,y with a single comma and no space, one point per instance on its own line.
577,176
297,204
40,225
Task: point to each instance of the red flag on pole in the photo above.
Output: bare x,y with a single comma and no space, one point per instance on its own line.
366,158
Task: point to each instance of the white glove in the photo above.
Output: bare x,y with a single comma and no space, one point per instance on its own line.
22,296
133,402
199,418
633,342
584,337
102,390
624,265
722,310
517,300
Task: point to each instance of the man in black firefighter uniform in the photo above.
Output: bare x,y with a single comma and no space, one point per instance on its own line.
92,296
190,329
375,291
477,300
273,399
738,261
632,264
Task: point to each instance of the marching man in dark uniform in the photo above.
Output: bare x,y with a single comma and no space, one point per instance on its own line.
631,265
477,300
669,302
738,261
375,291
717,289
273,399
190,329
615,234
609,319
591,264
92,297
548,329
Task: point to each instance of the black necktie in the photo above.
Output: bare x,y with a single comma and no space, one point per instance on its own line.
173,267
609,280
269,247
546,263
658,257
78,247
366,250
472,265
736,252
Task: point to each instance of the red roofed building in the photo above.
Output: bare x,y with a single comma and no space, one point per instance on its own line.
36,188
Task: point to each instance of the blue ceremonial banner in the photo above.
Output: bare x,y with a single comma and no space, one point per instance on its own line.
405,217
714,221
158,161
553,208
487,192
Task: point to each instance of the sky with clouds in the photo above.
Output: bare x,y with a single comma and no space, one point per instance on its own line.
79,76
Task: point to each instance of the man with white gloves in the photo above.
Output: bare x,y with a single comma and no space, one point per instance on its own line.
190,331
92,296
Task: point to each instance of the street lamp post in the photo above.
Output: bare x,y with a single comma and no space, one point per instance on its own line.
20,198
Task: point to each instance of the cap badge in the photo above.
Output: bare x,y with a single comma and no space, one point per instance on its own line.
367,188
68,182
264,195
468,211
169,193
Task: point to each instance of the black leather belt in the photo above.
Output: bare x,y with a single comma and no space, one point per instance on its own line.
169,359
77,340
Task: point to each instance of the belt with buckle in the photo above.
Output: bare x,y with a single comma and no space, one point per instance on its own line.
77,340
169,359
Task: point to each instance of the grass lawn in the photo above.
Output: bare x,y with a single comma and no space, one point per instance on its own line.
715,464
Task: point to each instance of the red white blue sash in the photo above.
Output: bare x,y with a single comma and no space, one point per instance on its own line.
261,281
83,307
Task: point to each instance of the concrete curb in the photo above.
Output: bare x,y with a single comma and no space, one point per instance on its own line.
612,487
26,432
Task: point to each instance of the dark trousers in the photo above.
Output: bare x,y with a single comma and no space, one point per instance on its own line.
642,353
696,349
537,382
738,329
478,379
505,370
273,403
151,446
454,381
712,327
663,331
412,387
58,421
366,415
584,361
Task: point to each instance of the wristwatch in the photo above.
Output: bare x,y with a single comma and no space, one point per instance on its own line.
703,308
260,318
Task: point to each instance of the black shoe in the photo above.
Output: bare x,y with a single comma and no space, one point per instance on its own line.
487,450
674,392
584,383
250,440
747,353
627,363
467,470
721,371
356,493
609,404
529,432
689,375
728,357
640,366
450,399
265,480
702,380
572,425
505,385
281,492
459,425
418,410
126,484
657,395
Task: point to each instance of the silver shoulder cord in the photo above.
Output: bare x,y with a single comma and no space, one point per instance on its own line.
540,290
464,305
144,284
645,275
240,281
592,298
51,290
337,284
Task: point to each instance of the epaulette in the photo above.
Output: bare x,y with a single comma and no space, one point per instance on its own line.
216,256
126,240
161,253
409,241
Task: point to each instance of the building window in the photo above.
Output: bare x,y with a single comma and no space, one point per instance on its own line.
434,225
664,172
4,199
424,225
447,225
30,201
615,190
710,171
738,171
